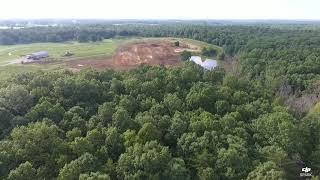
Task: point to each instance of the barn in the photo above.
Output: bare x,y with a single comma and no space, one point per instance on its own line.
38,55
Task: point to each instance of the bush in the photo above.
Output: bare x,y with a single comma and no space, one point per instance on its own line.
185,55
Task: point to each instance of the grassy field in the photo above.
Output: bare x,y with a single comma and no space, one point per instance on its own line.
201,44
57,50
184,40
106,48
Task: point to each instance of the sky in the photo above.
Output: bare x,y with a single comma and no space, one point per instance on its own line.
160,9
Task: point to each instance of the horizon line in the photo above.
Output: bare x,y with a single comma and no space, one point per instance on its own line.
162,19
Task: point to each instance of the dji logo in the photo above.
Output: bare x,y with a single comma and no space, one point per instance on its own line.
306,172
306,169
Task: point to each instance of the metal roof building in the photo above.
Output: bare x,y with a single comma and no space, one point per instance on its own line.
38,55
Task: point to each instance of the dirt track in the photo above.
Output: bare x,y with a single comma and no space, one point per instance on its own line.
132,55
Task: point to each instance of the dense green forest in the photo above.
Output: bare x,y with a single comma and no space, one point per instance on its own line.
166,123
150,123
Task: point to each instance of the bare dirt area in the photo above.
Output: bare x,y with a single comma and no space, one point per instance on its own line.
15,61
163,53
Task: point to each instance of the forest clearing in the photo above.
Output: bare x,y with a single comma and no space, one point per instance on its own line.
117,53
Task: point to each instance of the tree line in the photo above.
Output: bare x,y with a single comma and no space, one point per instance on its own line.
233,38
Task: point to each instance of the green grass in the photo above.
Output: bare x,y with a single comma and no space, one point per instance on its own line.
57,50
7,71
199,44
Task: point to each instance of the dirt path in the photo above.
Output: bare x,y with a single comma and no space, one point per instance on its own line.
16,61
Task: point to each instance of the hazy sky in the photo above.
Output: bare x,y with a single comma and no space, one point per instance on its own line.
161,9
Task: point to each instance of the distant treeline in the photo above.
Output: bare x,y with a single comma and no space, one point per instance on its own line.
54,34
232,38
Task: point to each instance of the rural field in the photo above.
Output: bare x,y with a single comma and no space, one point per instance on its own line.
117,53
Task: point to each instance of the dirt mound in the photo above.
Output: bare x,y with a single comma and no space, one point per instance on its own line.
129,56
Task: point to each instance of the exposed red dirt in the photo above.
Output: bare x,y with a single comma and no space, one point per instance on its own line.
132,55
